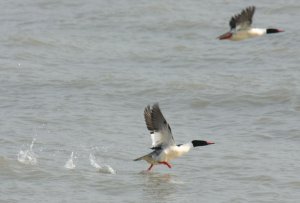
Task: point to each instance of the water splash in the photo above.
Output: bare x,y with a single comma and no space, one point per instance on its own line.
93,161
28,156
70,163
103,169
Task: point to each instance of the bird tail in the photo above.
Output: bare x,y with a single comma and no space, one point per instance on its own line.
147,157
140,158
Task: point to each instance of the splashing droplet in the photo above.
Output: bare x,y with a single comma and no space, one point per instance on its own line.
70,163
28,156
93,161
108,169
103,169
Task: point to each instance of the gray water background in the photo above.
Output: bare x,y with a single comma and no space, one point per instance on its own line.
76,75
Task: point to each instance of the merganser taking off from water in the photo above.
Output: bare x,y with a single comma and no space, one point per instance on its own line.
163,144
240,26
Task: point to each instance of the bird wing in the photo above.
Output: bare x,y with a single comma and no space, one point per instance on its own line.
160,131
243,20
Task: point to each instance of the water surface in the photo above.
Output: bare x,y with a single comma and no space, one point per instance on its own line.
75,77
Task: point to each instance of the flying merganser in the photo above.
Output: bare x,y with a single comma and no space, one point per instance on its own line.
240,27
163,144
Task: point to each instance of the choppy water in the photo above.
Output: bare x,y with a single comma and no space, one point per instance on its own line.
75,77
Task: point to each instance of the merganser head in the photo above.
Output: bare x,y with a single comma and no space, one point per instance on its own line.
197,143
273,30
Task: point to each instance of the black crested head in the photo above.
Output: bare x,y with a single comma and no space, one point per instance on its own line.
197,143
273,30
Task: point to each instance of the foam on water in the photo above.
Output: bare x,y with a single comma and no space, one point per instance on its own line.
28,156
103,169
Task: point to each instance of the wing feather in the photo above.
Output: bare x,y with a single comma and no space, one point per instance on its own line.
160,131
242,20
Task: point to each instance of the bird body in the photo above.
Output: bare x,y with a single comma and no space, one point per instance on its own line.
167,154
163,144
240,27
245,34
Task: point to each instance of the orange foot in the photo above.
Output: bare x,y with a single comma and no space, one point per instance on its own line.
150,167
165,163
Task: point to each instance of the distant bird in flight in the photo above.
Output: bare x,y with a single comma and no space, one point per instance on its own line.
163,144
240,27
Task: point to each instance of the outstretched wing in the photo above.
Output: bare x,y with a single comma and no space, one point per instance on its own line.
160,130
243,20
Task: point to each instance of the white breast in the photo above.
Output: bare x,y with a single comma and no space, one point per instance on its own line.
174,152
245,34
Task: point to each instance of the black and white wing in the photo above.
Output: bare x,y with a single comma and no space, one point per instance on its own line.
243,20
160,130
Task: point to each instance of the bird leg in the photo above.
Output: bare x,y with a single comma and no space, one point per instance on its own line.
165,163
150,167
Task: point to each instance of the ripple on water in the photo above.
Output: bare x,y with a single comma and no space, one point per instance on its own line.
293,184
258,178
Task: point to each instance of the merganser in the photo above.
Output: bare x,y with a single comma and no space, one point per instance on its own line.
240,27
163,144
